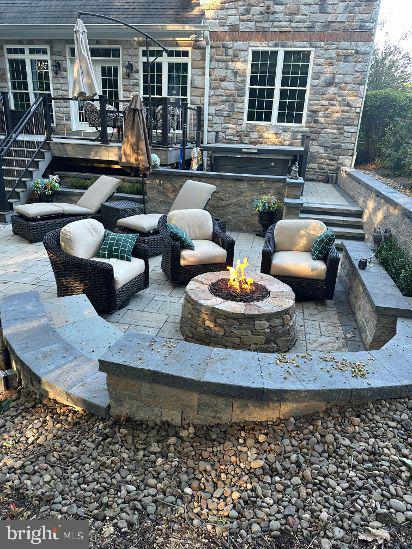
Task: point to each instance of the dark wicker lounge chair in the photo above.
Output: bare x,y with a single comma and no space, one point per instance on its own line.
76,275
305,288
171,254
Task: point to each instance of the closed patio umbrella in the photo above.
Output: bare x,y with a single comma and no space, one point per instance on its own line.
135,150
84,80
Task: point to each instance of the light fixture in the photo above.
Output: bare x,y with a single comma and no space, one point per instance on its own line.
56,67
129,69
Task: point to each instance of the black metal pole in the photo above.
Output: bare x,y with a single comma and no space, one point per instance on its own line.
149,93
165,121
184,132
47,115
198,125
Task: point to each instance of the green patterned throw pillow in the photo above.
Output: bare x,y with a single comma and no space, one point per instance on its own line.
322,245
181,236
117,246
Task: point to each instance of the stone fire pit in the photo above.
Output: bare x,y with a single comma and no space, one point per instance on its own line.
267,325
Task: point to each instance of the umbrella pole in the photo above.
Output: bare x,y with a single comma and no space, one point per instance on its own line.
144,194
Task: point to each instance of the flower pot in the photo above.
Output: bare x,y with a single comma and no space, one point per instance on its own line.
266,219
45,197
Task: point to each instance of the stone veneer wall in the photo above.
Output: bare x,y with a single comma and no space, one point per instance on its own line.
233,199
340,32
382,206
130,51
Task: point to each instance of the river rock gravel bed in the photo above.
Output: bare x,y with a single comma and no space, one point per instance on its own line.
318,481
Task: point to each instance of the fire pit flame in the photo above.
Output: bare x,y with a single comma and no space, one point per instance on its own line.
238,281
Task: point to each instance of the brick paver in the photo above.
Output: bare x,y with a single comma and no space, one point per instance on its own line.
326,326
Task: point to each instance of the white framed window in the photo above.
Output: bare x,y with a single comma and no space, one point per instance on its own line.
28,73
107,67
278,86
169,73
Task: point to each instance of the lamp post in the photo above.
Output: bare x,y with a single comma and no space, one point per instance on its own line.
149,63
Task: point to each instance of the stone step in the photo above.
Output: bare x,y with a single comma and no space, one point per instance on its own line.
331,209
348,233
335,220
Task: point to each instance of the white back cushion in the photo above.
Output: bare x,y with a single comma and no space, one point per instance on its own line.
193,194
82,238
98,193
196,223
297,235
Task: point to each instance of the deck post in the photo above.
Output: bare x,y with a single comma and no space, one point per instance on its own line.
184,132
103,119
6,110
303,159
4,205
47,116
165,121
198,125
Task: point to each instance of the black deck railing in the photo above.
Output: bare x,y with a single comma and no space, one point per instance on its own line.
21,146
170,121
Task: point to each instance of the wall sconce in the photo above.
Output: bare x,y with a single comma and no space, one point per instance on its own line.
129,69
56,67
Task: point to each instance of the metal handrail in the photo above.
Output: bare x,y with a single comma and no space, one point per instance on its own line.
16,131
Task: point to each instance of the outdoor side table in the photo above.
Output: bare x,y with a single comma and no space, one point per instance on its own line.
112,211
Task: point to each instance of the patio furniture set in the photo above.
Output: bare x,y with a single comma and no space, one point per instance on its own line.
109,267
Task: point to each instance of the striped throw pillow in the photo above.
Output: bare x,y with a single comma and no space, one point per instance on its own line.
181,236
117,246
322,244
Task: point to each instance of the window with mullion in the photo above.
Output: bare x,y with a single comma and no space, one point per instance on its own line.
278,84
19,85
169,73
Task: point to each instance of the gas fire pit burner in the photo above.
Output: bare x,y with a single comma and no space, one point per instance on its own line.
221,288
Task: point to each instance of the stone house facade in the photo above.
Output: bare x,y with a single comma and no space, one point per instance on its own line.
265,72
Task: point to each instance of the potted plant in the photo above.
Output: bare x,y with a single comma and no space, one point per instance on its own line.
45,188
270,210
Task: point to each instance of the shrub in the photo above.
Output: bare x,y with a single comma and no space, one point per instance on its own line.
128,187
396,153
383,110
396,263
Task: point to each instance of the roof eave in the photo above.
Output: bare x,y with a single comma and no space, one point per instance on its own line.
97,31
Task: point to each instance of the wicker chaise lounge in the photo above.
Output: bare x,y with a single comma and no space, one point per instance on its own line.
213,251
287,256
193,195
108,283
34,221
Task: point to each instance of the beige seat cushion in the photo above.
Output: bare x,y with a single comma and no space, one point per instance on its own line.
297,234
193,194
73,209
124,271
298,264
39,209
196,223
205,252
98,193
82,238
143,223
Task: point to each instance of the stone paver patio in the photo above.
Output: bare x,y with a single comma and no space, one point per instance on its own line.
328,325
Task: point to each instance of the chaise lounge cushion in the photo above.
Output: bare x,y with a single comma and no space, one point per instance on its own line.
197,224
98,193
82,238
142,223
123,271
193,194
39,209
298,264
73,209
205,252
297,234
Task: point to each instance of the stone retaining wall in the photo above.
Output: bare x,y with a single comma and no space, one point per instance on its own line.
233,199
373,296
382,206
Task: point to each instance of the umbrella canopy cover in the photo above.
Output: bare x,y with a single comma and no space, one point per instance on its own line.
135,150
84,80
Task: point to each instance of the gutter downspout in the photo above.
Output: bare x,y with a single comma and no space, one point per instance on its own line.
207,87
366,86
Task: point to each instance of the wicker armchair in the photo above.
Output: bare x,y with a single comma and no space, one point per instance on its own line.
171,254
75,275
305,288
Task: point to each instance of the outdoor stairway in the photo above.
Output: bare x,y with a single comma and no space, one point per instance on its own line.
341,214
14,164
